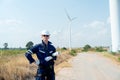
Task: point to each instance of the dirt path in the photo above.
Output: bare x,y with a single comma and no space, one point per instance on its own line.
90,67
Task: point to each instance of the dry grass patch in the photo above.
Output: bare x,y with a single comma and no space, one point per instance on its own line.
17,67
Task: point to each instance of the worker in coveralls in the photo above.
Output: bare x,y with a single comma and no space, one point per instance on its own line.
46,54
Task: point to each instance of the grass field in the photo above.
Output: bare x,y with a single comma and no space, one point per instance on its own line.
14,65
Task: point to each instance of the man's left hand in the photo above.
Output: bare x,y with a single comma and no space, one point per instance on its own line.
55,54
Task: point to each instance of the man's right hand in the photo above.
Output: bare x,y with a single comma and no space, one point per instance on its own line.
37,62
48,58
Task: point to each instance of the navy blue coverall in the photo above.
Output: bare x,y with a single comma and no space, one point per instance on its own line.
45,69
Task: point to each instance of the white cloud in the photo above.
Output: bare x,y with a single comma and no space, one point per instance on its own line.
94,33
95,24
10,22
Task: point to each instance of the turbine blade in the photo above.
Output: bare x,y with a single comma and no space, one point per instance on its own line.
74,18
67,15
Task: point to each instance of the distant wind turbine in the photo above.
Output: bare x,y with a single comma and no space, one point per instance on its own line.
70,21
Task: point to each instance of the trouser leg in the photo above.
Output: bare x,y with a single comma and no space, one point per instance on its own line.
51,77
40,75
51,74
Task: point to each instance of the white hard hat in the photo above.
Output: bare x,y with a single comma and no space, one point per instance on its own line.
45,32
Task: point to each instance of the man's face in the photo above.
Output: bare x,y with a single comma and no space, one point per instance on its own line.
45,37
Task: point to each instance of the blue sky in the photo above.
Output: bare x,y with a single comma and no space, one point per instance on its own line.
23,20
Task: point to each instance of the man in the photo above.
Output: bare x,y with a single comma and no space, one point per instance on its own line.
46,54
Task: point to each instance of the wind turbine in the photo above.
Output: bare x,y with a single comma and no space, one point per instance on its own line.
70,21
114,6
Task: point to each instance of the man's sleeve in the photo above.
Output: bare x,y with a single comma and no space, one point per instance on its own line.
54,50
29,53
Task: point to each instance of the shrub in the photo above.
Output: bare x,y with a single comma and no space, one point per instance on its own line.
64,48
99,49
73,52
86,47
113,53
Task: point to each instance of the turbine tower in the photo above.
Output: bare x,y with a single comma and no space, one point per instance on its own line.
70,21
115,24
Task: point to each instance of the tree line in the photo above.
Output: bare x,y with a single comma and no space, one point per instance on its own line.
85,48
28,46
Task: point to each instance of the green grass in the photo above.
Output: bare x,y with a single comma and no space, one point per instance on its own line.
11,52
118,58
